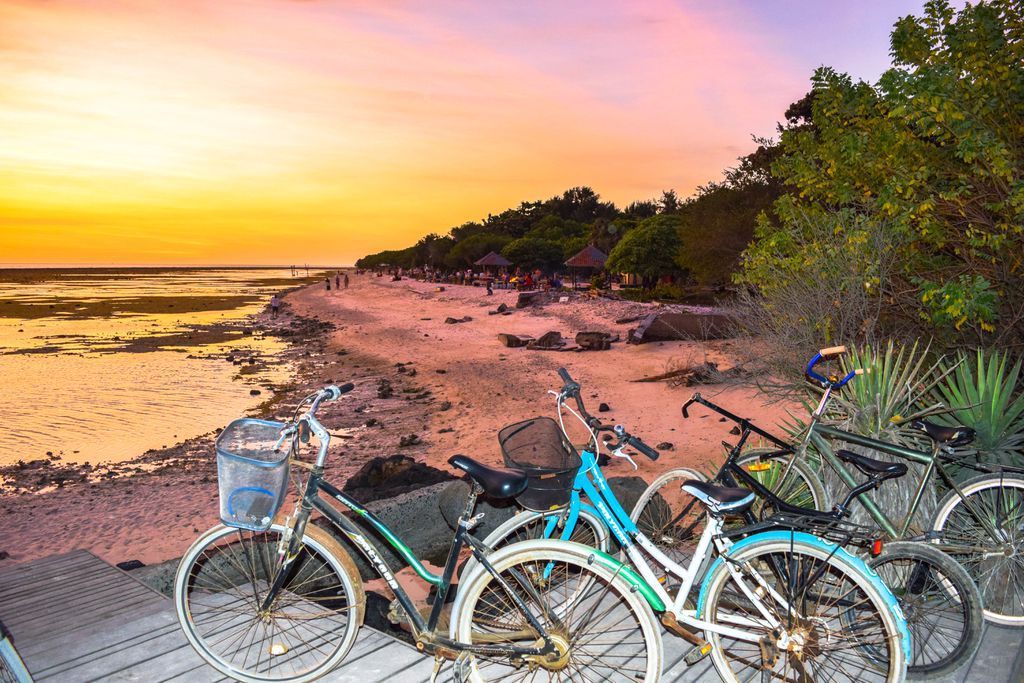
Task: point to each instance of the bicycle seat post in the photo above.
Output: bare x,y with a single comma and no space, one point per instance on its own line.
467,513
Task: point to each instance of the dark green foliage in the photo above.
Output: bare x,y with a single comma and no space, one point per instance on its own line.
649,250
529,253
934,152
475,247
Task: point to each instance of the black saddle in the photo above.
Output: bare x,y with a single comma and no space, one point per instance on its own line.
947,436
871,467
720,498
496,482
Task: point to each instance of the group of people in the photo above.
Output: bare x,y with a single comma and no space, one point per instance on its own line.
339,277
340,280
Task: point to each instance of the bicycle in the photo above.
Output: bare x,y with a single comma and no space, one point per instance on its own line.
261,601
779,602
12,667
940,600
979,522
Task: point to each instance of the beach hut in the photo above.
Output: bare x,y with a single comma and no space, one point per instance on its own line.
590,258
493,260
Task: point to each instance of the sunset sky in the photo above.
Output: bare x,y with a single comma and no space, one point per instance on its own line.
185,132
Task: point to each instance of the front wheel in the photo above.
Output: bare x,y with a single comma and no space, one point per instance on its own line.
601,627
305,631
834,618
940,601
962,526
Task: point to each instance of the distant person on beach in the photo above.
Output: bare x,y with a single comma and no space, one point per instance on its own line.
490,289
337,281
275,305
346,280
327,281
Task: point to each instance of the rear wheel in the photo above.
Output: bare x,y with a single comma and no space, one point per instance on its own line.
306,630
940,601
602,628
995,564
839,624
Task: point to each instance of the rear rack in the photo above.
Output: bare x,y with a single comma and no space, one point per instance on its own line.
838,531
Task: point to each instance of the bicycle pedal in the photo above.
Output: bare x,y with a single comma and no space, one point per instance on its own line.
697,653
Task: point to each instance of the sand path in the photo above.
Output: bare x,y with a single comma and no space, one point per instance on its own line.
490,386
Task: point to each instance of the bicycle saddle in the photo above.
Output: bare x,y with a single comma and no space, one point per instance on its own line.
871,467
947,436
496,482
720,498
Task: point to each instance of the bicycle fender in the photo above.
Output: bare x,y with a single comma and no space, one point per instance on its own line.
812,540
629,574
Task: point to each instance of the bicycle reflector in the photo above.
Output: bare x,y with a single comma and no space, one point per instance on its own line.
876,547
759,467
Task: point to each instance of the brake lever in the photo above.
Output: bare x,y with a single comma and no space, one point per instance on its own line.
617,452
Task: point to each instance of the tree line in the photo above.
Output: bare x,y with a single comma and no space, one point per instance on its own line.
893,208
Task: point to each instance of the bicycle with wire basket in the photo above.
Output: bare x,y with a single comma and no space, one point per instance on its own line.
777,602
942,605
265,601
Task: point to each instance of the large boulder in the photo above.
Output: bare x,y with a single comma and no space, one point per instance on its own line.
385,477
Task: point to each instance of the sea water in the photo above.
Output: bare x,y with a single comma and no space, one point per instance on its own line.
102,365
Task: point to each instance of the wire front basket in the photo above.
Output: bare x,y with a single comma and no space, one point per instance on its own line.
539,447
251,474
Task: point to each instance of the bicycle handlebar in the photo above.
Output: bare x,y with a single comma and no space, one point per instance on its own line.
572,388
825,381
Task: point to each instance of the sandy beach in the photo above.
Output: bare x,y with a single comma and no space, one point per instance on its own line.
452,386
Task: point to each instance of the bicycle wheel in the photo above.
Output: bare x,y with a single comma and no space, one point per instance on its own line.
608,634
307,629
527,526
940,602
843,625
672,519
800,486
995,564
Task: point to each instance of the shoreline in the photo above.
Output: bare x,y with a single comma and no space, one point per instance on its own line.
424,389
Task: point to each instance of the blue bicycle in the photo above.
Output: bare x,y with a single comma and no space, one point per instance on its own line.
778,603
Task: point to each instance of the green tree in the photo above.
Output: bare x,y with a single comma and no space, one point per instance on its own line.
469,250
534,252
648,250
934,151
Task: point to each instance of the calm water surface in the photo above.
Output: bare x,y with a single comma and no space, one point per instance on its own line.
103,365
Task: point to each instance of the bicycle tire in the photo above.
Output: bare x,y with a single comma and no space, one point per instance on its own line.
309,628
784,557
996,568
940,602
612,609
672,520
802,488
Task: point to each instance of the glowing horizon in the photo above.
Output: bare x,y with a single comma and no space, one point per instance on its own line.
279,132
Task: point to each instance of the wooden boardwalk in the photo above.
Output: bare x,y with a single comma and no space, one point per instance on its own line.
77,619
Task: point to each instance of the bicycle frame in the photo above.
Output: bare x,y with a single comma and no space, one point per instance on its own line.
424,631
816,435
590,480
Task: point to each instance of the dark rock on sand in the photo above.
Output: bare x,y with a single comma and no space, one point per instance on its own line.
666,446
385,477
409,440
603,408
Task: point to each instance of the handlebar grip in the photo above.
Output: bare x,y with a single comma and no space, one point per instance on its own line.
333,392
642,447
564,374
832,351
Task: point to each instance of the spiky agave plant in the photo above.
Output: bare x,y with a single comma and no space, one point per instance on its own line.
982,392
896,388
